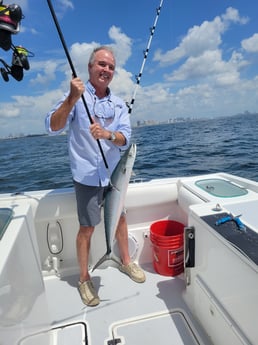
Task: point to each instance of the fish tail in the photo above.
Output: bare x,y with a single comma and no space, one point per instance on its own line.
104,258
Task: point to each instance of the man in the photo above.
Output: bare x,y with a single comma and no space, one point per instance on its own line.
111,125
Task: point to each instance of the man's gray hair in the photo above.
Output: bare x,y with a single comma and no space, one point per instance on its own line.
92,55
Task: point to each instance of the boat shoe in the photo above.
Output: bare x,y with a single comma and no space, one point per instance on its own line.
133,271
88,293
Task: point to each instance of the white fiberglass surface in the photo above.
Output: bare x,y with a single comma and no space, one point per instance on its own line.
120,299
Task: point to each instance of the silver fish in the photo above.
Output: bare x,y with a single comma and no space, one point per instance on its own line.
115,198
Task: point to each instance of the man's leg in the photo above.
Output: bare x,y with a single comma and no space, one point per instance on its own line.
88,294
122,240
127,267
83,248
88,206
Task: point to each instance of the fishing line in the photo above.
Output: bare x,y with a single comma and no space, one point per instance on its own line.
73,71
145,52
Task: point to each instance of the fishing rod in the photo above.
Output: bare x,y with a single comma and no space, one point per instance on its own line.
73,71
145,52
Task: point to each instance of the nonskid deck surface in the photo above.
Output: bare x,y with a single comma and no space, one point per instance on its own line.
149,313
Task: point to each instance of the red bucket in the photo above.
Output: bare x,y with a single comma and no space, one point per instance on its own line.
167,237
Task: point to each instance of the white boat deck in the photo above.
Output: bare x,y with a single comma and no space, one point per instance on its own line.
221,281
150,313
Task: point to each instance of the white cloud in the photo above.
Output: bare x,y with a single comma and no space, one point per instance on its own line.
80,53
24,29
122,84
232,15
61,7
199,39
46,71
26,114
209,67
122,45
251,44
158,102
9,110
64,5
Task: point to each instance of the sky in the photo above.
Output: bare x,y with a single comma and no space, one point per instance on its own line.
202,61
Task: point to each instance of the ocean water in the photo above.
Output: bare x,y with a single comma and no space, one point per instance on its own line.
168,150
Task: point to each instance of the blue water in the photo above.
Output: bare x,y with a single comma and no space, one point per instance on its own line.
180,149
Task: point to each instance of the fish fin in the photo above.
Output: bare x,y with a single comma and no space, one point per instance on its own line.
104,258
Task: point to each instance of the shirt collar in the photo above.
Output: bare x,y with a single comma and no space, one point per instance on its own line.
92,89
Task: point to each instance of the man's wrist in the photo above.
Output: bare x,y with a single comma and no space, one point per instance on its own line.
112,136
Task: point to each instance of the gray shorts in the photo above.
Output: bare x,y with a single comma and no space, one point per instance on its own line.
89,200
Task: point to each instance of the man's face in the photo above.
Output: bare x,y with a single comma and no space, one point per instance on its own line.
102,70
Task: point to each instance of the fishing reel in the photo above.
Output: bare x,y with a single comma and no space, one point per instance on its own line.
10,17
19,63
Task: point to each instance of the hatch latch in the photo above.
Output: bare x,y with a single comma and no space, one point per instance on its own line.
114,341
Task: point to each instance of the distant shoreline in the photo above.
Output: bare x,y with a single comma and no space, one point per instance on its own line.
144,123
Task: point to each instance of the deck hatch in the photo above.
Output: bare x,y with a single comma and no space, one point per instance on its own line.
74,333
153,330
221,188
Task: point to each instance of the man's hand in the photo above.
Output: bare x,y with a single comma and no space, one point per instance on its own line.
98,132
77,88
